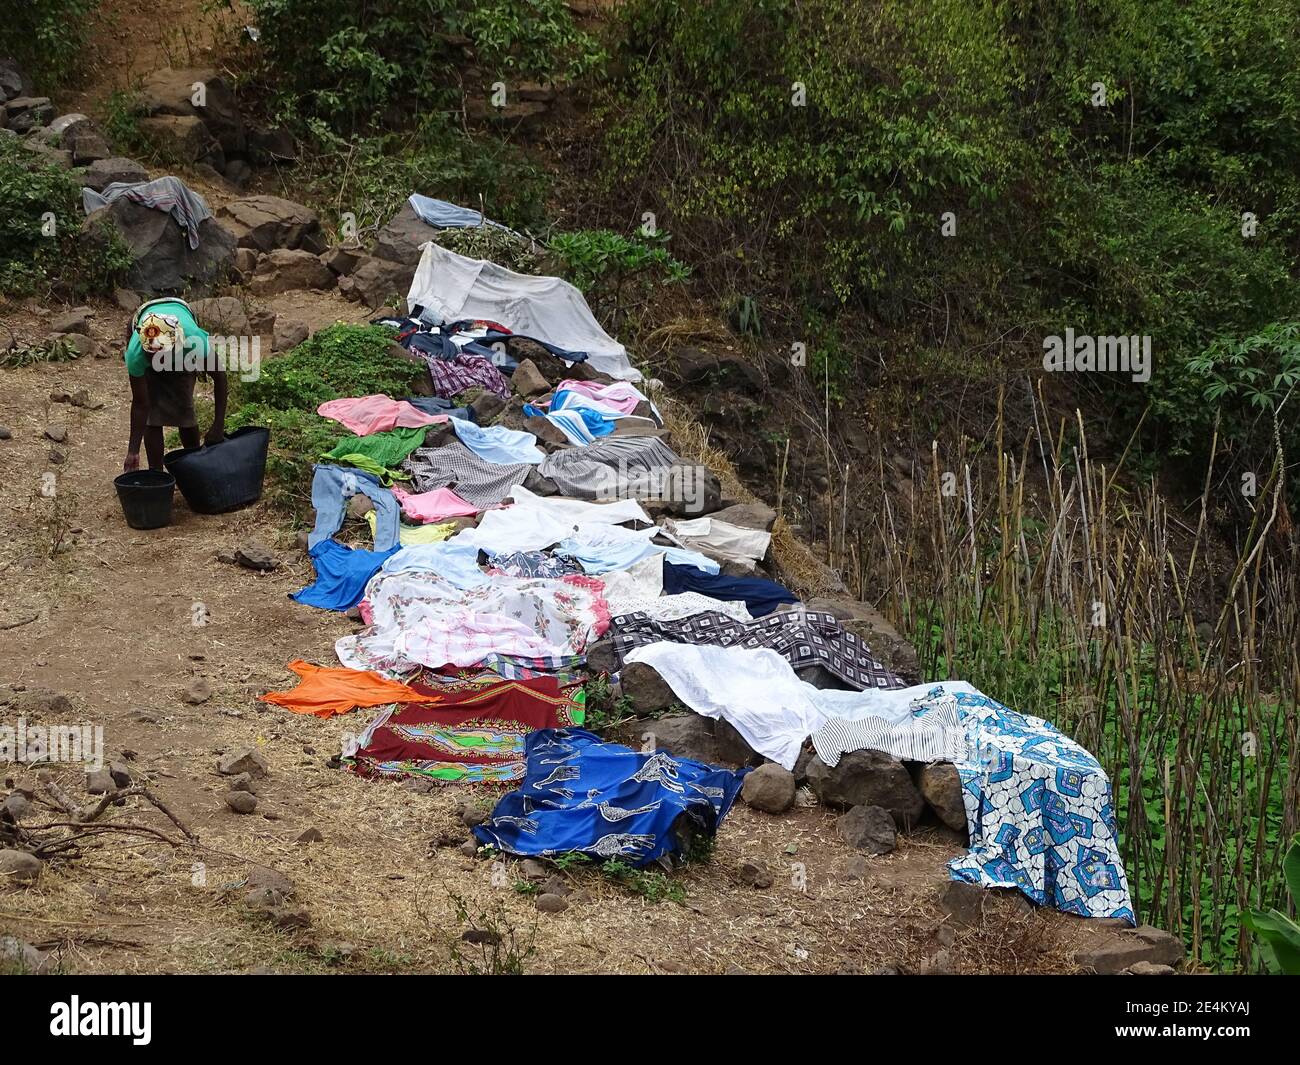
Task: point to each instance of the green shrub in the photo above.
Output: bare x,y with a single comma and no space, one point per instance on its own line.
340,361
404,56
372,176
46,37
608,267
42,245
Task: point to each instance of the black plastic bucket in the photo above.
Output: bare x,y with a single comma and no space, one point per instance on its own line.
224,476
146,498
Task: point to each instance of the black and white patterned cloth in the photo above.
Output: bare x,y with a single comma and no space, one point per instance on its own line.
804,638
476,480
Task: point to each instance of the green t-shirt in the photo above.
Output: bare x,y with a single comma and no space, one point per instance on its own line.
137,360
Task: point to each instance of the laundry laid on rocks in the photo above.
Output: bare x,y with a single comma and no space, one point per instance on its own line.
333,486
469,733
721,540
325,692
437,505
414,535
760,595
169,194
617,468
604,548
438,405
499,444
454,287
419,618
532,564
582,794
443,215
803,638
377,414
384,450
1039,807
476,480
534,522
517,574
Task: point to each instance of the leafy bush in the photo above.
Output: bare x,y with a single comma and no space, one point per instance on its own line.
1095,162
1277,933
372,176
340,361
404,56
603,264
42,244
46,37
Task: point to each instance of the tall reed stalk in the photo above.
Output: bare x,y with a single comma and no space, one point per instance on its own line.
1035,573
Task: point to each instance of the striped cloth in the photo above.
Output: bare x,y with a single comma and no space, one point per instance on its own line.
933,734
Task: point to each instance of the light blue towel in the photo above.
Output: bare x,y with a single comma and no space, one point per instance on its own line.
456,563
443,215
496,443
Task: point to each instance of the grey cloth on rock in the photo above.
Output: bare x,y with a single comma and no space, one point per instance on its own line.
477,481
613,468
168,194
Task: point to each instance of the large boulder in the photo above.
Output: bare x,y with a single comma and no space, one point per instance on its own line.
25,113
684,736
647,691
732,746
1115,953
175,92
162,261
222,316
868,828
696,366
375,282
747,516
769,788
183,139
13,82
84,140
286,269
399,241
868,778
940,786
270,222
104,172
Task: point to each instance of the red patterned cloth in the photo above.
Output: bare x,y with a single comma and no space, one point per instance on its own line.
451,377
473,734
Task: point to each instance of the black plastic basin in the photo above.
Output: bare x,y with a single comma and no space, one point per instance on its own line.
224,476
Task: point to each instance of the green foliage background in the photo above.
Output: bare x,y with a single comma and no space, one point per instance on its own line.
804,154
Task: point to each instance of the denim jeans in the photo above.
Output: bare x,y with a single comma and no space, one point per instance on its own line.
333,486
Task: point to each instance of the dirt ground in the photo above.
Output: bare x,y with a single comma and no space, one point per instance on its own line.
105,615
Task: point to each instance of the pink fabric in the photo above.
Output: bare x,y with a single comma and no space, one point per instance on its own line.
438,505
465,638
376,414
620,396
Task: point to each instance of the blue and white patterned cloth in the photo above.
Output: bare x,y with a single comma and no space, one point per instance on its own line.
1039,808
603,799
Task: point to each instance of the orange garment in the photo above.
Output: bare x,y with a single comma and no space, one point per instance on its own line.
325,692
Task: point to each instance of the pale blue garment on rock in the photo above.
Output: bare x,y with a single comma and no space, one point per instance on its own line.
603,549
496,443
455,563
